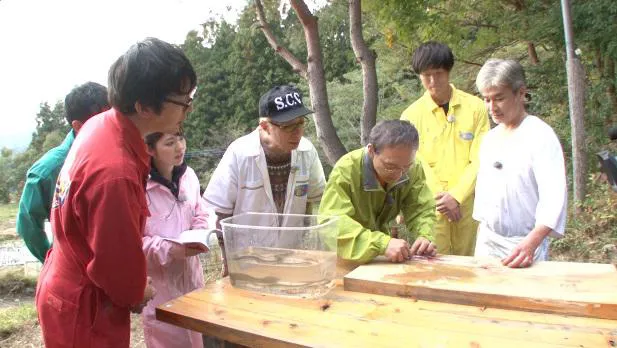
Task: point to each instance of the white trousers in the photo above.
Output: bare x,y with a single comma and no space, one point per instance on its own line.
489,243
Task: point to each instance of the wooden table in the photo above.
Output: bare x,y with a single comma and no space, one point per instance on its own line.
351,319
581,289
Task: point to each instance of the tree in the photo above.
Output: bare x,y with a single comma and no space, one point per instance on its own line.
313,72
47,121
366,57
234,68
576,94
5,188
6,152
50,131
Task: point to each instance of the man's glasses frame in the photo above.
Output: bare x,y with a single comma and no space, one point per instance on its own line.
389,168
186,104
290,128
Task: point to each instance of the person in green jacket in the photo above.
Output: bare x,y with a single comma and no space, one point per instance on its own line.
80,104
369,187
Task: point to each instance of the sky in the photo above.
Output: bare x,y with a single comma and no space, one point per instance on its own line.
51,46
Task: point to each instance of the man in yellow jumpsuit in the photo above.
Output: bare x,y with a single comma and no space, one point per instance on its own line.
451,124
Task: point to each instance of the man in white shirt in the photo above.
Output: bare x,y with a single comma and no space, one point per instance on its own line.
521,192
274,169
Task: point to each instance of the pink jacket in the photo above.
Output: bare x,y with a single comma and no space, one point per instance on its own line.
173,275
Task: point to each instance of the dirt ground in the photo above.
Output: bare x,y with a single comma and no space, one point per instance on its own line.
29,335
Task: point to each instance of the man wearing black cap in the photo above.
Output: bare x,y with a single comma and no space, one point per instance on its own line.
274,169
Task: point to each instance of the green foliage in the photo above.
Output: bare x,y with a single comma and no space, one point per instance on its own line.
6,152
48,120
595,25
50,131
5,164
592,236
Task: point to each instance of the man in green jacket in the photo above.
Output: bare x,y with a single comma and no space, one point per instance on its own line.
80,104
370,186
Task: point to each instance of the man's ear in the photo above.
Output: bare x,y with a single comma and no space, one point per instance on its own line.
371,150
76,125
522,93
143,111
264,125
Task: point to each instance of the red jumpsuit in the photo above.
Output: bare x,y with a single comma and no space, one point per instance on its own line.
96,269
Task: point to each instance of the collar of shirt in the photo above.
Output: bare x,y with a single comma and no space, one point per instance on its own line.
369,177
133,141
454,100
156,179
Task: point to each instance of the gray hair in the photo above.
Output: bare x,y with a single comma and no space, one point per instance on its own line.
501,72
394,133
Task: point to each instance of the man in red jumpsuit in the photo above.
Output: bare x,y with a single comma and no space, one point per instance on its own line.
95,274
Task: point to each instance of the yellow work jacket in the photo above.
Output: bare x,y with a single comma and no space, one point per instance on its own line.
449,143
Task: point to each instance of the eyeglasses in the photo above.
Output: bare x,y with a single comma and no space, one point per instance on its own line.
186,104
393,169
290,128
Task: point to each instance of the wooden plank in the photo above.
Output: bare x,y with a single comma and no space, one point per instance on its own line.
348,319
580,289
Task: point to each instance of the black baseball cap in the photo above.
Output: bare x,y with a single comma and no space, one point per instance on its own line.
282,104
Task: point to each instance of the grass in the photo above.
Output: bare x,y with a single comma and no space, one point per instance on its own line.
8,237
13,319
8,212
14,282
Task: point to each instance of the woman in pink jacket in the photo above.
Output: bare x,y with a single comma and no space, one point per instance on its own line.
175,206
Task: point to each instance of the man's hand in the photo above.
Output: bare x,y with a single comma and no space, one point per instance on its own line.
397,250
423,247
454,215
522,255
149,293
447,205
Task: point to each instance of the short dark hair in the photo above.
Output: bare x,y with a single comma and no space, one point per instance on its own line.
432,55
85,101
153,138
147,73
393,133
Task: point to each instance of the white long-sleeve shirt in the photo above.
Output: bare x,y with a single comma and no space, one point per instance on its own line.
521,181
